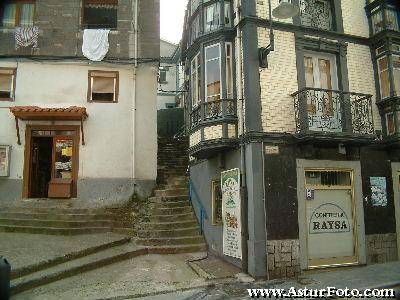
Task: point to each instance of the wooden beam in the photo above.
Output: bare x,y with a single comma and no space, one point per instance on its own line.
17,127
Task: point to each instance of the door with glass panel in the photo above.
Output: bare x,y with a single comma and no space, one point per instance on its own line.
330,222
323,102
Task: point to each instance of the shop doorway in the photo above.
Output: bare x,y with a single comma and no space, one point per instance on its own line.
41,164
51,161
331,215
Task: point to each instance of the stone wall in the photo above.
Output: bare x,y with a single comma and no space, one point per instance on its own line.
381,248
283,258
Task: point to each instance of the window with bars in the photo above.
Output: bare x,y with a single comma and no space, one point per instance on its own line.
317,14
17,13
100,14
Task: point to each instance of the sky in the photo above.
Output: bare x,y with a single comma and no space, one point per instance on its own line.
171,19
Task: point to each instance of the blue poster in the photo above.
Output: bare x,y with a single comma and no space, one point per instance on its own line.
378,191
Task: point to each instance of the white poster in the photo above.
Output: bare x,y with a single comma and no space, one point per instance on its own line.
232,229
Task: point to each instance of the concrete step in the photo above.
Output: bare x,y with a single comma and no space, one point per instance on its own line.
77,266
64,217
172,210
200,247
169,225
172,217
182,240
181,198
172,192
61,210
171,204
167,233
55,223
54,231
26,270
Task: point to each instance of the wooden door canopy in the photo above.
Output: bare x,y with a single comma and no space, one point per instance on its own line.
28,113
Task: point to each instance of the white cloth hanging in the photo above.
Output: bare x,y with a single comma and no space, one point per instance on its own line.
95,43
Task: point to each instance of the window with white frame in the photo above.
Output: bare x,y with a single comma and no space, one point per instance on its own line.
195,80
7,84
213,72
212,17
103,86
229,70
227,14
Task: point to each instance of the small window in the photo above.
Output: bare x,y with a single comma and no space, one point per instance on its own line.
17,14
390,124
162,75
7,84
103,86
328,178
100,14
170,105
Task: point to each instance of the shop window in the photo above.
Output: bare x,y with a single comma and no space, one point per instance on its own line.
328,178
216,203
17,14
100,14
390,126
195,80
212,17
317,14
7,84
213,72
103,86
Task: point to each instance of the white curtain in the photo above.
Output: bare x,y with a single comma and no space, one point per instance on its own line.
27,12
9,15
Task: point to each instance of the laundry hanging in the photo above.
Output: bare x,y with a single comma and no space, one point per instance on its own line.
26,36
95,43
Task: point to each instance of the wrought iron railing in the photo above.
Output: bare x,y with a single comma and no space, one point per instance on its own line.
211,110
323,110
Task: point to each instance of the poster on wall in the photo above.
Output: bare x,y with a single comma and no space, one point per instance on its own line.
4,161
232,229
378,191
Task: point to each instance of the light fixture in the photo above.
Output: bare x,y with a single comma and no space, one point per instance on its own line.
285,10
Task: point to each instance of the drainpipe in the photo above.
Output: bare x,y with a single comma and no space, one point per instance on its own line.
265,201
136,32
242,157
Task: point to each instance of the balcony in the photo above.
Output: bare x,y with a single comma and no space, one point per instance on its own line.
213,127
335,114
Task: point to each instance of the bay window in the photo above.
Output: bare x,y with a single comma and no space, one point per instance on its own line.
17,14
384,82
212,17
213,72
384,18
388,62
229,71
195,80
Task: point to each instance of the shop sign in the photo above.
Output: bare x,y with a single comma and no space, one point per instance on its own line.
232,229
378,191
328,218
5,161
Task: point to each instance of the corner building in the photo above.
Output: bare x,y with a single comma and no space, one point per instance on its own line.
316,134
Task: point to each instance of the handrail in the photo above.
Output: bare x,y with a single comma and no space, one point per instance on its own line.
203,212
329,90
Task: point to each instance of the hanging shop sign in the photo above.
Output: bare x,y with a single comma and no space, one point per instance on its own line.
232,229
5,161
378,191
328,218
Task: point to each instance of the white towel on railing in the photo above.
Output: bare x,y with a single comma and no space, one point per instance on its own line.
95,43
26,36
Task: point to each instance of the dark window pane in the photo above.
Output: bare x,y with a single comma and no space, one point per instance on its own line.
100,17
103,97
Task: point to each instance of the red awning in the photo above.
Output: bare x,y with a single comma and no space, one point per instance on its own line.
73,113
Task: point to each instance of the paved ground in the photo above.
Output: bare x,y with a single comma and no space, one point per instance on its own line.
141,275
23,250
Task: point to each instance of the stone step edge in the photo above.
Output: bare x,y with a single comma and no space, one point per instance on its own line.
77,222
170,249
55,229
23,271
168,230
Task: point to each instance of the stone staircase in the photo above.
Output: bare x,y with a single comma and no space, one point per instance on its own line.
172,226
57,220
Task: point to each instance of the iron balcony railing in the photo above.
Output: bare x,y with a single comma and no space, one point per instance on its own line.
212,110
322,110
